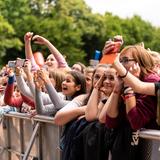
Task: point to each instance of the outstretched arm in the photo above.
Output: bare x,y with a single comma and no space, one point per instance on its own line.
28,50
136,84
53,94
59,57
22,86
9,91
40,108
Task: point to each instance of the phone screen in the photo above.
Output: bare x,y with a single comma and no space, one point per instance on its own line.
11,64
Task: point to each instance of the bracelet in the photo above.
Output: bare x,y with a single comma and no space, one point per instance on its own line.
128,90
124,75
125,97
125,94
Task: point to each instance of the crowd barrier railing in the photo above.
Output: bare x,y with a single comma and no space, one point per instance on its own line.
26,138
37,138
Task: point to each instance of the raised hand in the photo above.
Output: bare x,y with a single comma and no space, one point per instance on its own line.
99,83
28,36
10,72
37,81
118,38
43,75
113,46
18,71
109,46
135,70
39,40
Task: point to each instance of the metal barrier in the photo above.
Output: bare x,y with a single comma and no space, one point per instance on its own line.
151,144
25,138
37,138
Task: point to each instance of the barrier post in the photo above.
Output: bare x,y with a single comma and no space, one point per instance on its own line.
31,141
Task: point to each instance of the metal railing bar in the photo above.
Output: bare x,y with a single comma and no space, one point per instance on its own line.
8,141
31,141
25,116
19,153
21,136
150,134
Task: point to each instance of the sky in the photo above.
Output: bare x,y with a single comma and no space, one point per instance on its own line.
149,10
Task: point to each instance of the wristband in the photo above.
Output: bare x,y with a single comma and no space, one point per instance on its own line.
128,90
124,75
125,97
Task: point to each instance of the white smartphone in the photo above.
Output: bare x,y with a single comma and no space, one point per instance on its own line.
11,64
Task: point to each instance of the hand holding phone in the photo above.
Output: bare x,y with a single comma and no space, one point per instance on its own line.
20,62
110,50
117,46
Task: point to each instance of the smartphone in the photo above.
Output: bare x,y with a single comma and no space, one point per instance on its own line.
117,47
108,58
11,64
20,62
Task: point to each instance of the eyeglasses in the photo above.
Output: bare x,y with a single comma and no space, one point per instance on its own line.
126,60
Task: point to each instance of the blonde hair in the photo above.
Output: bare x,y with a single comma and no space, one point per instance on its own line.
89,69
59,77
156,56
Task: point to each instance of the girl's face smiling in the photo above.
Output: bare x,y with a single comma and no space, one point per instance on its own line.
109,81
98,73
51,61
69,88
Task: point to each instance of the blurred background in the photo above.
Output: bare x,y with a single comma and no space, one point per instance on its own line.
75,27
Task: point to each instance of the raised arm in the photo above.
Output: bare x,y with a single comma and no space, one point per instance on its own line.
110,111
9,91
22,86
53,94
28,50
92,109
59,57
136,84
40,108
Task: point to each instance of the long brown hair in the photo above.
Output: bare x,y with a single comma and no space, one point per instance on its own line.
142,57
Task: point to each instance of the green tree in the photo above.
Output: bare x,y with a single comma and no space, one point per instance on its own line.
7,38
70,25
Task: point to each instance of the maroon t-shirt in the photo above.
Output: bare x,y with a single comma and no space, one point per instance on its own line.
143,115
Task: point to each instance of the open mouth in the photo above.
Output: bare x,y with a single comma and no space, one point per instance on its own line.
64,88
49,64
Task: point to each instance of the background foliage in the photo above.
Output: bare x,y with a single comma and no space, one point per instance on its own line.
70,25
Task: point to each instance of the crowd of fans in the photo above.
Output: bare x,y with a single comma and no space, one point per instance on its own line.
102,107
